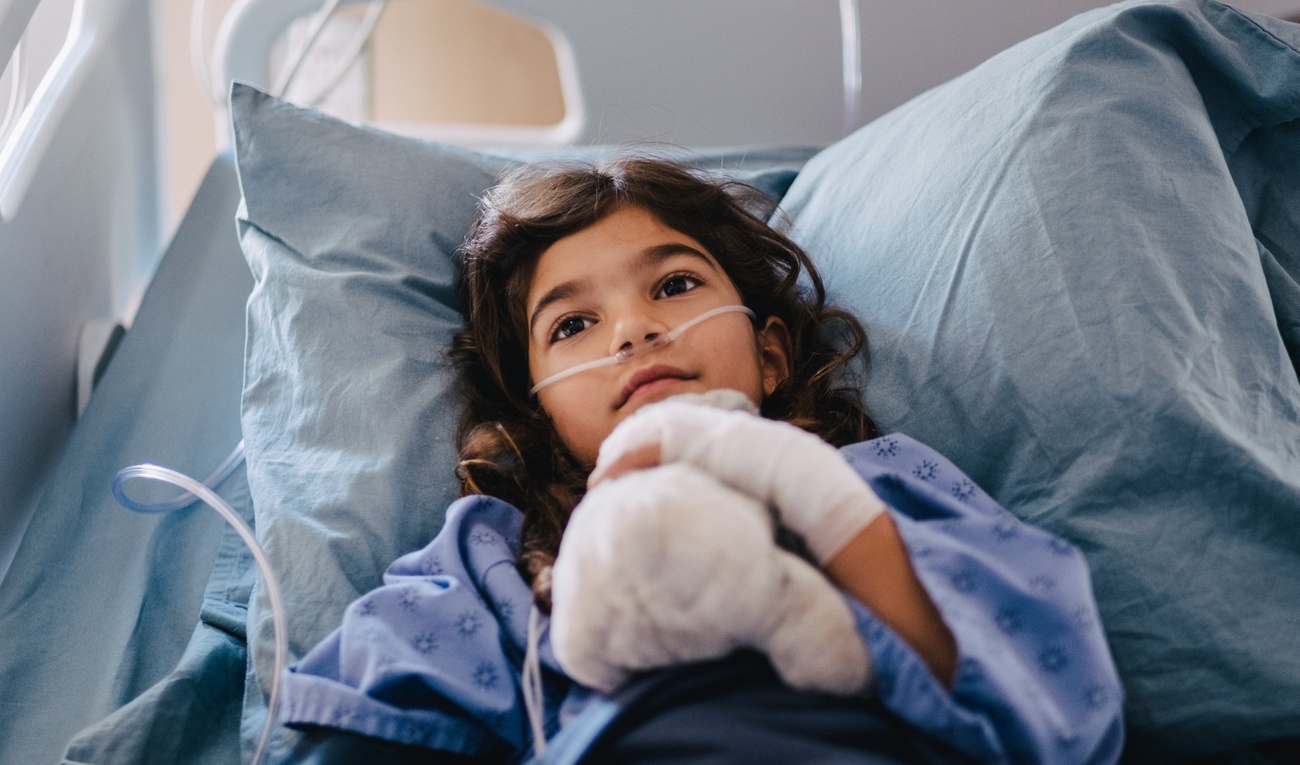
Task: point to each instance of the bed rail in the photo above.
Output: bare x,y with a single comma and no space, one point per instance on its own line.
79,227
15,15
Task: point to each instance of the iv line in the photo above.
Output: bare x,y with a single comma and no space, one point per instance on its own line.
626,354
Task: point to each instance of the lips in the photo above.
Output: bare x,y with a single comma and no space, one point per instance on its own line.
647,376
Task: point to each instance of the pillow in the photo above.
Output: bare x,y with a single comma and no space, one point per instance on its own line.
347,412
1077,265
347,408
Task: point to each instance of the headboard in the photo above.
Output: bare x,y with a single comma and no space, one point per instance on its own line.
779,72
79,228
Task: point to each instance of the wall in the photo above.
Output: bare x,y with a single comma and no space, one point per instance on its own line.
431,60
913,46
459,61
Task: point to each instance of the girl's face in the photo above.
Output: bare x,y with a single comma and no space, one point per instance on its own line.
618,284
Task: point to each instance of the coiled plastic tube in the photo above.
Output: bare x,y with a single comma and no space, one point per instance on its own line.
184,500
200,491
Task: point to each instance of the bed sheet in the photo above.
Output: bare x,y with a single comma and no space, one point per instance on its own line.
100,603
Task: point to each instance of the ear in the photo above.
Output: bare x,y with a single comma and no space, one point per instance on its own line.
773,354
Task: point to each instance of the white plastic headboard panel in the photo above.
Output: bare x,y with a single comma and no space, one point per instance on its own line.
14,16
79,237
703,72
691,72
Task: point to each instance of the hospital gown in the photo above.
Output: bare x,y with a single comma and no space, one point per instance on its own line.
433,658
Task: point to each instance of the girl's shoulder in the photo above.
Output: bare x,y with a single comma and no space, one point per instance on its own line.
897,464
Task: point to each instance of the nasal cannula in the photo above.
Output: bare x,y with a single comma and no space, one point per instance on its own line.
627,354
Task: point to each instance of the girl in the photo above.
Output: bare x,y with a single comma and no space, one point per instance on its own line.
592,292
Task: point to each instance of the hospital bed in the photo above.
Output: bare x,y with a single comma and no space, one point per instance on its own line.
1077,264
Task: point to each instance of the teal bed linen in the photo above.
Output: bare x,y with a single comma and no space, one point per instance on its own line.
102,605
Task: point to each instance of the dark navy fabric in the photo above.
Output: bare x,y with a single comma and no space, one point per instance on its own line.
433,658
737,710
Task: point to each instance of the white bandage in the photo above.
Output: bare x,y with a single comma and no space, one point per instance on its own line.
815,491
664,566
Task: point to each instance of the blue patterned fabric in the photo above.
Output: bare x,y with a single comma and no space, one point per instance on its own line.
436,651
433,657
1035,680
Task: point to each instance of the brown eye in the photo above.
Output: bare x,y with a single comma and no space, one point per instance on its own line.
568,327
677,284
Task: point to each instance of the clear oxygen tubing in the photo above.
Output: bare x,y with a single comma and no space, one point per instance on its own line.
315,28
851,62
203,71
351,53
182,500
627,354
201,491
534,692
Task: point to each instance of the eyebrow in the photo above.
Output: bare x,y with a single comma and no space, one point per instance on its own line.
554,295
647,257
660,252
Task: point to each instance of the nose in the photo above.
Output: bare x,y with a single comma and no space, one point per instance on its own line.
634,328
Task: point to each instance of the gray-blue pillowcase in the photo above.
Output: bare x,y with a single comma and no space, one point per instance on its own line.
347,408
1078,269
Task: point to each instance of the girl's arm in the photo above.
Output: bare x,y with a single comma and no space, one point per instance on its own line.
875,568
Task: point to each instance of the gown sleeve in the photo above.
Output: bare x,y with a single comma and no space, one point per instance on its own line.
1035,681
433,657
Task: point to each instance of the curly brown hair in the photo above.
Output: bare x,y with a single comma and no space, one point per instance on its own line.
508,446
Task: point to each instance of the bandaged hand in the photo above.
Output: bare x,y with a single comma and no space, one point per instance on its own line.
815,491
664,566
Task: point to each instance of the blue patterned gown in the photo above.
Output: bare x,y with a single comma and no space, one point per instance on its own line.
433,657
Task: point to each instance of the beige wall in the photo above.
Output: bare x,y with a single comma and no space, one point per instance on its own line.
454,61
430,60
189,130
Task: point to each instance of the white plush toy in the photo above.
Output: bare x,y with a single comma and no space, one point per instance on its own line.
670,565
